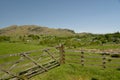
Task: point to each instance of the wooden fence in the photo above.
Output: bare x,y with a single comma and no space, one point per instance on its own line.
22,66
87,59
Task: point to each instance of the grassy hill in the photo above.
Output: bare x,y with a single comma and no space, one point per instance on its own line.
36,30
51,37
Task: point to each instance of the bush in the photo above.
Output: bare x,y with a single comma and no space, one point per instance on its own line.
4,38
115,55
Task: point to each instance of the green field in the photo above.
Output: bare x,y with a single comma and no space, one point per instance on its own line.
69,70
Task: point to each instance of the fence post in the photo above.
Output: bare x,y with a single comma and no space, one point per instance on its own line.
82,58
104,60
62,55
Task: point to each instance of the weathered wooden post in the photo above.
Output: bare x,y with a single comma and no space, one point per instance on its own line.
82,58
104,60
62,55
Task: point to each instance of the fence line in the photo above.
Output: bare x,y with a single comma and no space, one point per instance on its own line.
103,59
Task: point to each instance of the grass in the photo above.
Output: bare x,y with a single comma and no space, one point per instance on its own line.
14,48
77,72
11,48
68,71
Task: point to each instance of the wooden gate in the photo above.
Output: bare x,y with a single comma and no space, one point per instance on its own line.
25,65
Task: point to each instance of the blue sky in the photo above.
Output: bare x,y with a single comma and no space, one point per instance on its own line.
95,16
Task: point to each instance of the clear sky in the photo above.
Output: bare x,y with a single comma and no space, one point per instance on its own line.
95,16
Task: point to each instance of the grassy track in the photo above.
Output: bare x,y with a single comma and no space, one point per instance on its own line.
105,46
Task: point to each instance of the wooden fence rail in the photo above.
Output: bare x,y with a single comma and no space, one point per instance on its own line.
102,59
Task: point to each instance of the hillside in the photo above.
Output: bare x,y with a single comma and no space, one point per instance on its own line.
33,29
51,37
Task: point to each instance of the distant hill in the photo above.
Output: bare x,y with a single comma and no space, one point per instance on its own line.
15,30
